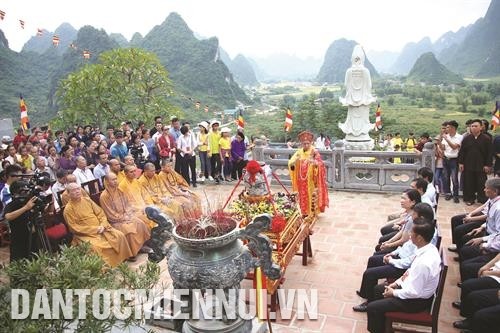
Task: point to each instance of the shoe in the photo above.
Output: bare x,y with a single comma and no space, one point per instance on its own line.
456,200
228,180
359,293
469,203
361,307
462,324
211,178
145,249
452,248
448,197
194,185
202,179
456,305
457,259
459,284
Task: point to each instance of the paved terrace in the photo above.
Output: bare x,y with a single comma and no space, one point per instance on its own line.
344,237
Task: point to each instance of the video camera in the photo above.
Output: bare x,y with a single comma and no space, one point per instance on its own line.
32,186
137,152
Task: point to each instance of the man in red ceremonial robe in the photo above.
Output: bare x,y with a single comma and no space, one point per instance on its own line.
308,176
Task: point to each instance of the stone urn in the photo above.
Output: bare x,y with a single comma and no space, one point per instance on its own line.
213,263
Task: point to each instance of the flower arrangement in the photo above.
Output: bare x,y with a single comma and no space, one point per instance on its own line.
286,205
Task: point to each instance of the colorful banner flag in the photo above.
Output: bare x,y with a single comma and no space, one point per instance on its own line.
21,22
2,15
378,118
25,122
240,122
86,54
55,40
495,118
288,120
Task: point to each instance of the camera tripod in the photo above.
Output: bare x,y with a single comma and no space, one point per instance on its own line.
36,221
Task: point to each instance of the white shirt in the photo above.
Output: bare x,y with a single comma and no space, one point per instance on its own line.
47,170
492,217
431,194
187,144
101,171
83,176
422,278
456,139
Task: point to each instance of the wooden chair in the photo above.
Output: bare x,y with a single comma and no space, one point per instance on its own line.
424,318
92,186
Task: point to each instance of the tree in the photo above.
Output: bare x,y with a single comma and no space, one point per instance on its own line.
126,84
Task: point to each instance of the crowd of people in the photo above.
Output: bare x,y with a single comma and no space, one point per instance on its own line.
463,163
133,168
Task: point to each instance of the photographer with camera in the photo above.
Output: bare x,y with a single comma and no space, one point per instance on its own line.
19,214
138,150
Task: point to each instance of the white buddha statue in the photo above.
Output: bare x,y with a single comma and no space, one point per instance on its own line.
358,98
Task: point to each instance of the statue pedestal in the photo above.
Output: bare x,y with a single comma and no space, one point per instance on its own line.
359,145
356,128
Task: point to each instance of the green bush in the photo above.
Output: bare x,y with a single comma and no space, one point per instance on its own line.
76,267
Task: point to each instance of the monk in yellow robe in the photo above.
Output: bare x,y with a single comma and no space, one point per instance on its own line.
88,223
152,185
308,175
122,216
71,178
178,189
115,166
135,194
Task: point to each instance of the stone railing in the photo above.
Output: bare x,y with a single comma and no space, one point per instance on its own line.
353,169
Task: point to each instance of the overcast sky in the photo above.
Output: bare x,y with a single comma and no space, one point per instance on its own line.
256,28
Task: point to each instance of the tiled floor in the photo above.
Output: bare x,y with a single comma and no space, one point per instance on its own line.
343,238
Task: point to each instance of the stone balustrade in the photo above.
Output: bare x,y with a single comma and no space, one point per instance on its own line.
373,171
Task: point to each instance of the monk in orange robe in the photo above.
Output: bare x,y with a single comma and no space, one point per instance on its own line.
88,223
178,188
161,197
135,194
71,178
122,216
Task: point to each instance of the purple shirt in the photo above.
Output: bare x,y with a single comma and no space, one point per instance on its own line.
237,150
66,164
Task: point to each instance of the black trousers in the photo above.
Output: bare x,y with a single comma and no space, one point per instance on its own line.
373,274
470,267
188,164
486,320
471,285
460,230
469,251
387,236
474,186
478,300
215,165
237,170
377,309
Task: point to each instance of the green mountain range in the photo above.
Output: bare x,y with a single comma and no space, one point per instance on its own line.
193,65
479,53
338,60
240,67
428,69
